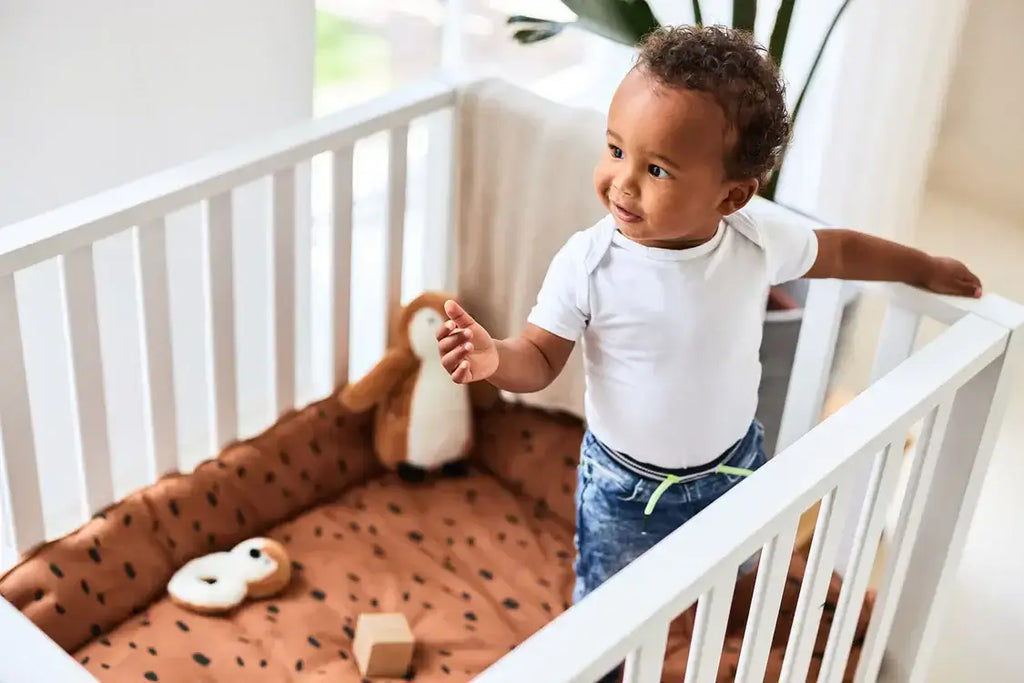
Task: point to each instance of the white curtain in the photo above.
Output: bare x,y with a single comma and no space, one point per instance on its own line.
885,110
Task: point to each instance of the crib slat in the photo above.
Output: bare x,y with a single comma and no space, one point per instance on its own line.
764,605
817,575
881,486
87,376
644,664
396,217
342,261
156,319
19,448
902,544
305,385
709,631
438,257
284,288
221,250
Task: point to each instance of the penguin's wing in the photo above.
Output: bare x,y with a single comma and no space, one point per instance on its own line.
371,389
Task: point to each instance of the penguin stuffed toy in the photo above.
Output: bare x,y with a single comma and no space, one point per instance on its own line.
423,420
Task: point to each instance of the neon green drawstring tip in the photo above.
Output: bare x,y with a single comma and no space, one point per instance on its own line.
662,487
673,479
738,471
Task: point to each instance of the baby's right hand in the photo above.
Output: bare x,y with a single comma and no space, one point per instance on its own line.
468,352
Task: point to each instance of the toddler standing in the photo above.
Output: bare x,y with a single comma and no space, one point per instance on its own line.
668,292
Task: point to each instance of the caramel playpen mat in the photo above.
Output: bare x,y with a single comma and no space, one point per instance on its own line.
476,564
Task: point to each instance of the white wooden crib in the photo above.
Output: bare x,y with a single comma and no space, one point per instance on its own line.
955,386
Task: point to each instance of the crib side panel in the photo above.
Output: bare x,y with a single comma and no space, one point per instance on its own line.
180,243
619,620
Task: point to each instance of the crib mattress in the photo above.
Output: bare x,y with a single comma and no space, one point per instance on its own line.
474,568
476,564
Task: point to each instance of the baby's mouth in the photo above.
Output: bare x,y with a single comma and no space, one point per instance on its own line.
625,215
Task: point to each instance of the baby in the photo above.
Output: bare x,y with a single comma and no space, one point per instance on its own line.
668,293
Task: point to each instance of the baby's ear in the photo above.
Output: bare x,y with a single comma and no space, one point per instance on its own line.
739,193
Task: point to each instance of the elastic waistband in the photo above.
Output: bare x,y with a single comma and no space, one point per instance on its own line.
655,473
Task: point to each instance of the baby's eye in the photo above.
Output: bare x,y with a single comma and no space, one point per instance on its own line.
616,151
658,171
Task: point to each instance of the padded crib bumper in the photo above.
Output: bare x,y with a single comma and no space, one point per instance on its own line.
533,453
79,586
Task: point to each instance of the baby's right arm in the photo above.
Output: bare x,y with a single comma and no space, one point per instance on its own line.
522,364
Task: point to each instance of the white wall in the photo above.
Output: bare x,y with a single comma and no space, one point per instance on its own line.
94,93
980,153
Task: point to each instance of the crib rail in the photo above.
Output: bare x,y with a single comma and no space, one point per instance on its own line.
30,655
70,236
86,222
957,385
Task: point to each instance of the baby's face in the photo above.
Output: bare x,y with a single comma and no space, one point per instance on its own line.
662,175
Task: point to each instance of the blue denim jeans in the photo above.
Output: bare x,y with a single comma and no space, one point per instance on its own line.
610,502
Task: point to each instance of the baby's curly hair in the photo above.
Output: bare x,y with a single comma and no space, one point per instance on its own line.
727,64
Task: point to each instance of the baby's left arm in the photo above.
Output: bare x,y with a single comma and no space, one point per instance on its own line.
851,255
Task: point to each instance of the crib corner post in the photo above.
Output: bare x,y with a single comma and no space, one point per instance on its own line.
975,418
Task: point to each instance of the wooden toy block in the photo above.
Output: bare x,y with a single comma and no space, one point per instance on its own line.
383,645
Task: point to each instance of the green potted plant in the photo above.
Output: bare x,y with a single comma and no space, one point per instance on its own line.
626,22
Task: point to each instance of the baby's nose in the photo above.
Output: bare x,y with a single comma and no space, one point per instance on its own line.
626,184
625,190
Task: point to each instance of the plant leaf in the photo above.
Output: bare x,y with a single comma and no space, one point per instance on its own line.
522,19
698,19
780,32
768,192
744,13
817,58
526,36
624,21
536,29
